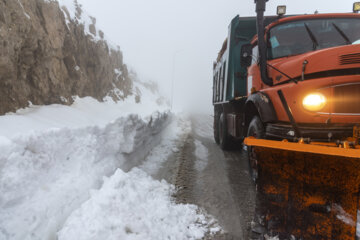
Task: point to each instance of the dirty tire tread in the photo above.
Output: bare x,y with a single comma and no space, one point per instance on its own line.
256,129
225,141
216,128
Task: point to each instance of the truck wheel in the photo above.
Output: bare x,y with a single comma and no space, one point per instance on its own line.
256,129
224,138
216,128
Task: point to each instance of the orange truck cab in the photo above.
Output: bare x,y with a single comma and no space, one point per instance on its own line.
315,61
296,77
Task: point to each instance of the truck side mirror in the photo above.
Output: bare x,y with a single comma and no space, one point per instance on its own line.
246,55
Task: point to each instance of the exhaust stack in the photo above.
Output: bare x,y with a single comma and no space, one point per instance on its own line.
260,9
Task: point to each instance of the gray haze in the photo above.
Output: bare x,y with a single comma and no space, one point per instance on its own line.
151,33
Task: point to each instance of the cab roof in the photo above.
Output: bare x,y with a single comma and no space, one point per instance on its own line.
312,16
284,19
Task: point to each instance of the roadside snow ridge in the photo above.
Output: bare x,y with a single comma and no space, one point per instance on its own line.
134,206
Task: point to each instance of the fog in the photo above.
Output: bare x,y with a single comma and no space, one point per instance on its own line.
177,41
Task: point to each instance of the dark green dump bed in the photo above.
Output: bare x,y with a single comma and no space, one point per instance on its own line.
241,31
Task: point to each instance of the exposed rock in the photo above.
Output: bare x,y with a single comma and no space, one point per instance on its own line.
46,59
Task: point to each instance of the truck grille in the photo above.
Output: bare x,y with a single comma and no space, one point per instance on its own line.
347,99
350,59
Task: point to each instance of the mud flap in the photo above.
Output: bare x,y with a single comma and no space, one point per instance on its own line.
307,191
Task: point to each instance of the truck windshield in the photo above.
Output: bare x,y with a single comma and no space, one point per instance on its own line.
299,37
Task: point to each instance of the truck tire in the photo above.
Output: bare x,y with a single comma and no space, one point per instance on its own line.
216,128
256,129
224,138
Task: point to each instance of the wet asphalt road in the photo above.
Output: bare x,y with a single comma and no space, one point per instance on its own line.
215,180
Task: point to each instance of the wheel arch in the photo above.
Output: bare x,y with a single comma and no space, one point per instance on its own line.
259,104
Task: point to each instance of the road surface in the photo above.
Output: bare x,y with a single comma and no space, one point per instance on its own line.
215,180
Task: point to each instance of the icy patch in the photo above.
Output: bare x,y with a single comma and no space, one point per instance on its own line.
202,154
134,206
205,129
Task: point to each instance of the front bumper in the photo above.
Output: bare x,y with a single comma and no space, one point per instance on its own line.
316,132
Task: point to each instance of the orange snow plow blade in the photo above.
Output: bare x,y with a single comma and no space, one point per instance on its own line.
309,191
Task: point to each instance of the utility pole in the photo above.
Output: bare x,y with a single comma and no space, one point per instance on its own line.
173,77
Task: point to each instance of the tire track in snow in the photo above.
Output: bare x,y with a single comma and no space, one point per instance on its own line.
218,183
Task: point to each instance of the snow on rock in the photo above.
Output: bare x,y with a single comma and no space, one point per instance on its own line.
134,206
26,15
79,15
148,91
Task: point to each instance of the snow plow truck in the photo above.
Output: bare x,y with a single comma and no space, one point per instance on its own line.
289,87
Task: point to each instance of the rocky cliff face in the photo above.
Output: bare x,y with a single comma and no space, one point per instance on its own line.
47,56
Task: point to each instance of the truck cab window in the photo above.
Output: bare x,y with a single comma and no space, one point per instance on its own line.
255,55
298,37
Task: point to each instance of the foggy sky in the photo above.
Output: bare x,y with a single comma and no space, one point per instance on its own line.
151,33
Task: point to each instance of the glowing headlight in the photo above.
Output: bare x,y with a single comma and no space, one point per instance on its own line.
314,102
356,7
281,10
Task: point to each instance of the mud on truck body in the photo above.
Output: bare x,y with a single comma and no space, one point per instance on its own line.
290,86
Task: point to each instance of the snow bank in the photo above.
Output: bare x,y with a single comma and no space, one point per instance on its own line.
52,156
45,176
82,113
134,206
175,132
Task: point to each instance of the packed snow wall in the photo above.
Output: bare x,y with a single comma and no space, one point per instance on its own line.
51,51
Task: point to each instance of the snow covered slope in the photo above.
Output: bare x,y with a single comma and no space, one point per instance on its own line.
53,160
84,171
